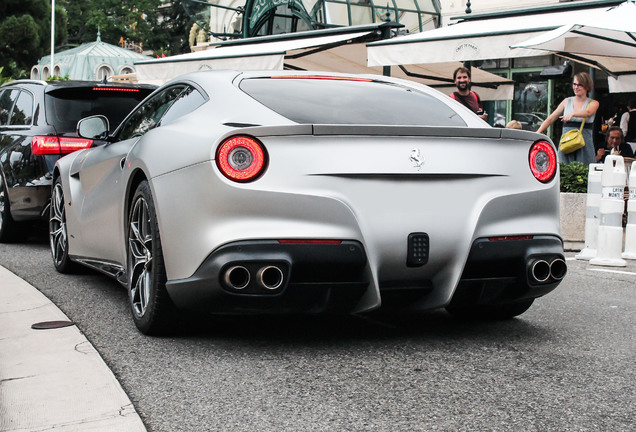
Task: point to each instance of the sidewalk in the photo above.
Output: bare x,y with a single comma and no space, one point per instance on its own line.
53,379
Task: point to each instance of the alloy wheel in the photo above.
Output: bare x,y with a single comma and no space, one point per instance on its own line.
140,255
57,229
3,205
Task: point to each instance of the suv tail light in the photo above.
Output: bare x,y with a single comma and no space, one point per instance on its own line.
543,161
241,158
116,89
43,145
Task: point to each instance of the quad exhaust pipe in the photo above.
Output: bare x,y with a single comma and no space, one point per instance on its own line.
558,269
542,270
270,277
237,277
264,278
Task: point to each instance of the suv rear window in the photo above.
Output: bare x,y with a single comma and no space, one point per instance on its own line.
66,106
325,100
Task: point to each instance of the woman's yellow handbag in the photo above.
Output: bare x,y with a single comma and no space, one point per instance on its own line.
572,140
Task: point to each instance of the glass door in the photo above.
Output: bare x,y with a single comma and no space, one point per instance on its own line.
530,103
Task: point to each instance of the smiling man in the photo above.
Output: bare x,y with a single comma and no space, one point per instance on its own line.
465,95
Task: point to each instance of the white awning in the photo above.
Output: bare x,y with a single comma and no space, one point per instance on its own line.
255,56
160,72
622,83
488,85
336,50
610,33
606,41
351,58
471,40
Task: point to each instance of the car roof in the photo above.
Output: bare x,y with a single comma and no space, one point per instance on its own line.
213,78
51,85
231,74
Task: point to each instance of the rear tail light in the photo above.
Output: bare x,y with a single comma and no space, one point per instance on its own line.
116,89
543,161
241,158
43,145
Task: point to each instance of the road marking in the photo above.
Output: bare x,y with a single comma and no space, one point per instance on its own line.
613,271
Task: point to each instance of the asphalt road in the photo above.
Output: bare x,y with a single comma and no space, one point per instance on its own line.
568,364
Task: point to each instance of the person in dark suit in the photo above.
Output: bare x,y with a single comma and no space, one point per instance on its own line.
628,124
614,145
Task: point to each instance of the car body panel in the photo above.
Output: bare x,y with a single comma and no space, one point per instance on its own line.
98,181
344,198
366,185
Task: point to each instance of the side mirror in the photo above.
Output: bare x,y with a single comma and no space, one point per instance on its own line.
95,127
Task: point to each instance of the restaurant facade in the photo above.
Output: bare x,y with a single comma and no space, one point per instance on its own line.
431,35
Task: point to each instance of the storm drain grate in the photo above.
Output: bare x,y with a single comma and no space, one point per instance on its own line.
48,325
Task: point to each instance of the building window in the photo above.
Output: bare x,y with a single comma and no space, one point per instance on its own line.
530,104
103,72
57,70
45,72
35,73
249,18
126,70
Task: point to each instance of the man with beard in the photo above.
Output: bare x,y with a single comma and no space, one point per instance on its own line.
465,95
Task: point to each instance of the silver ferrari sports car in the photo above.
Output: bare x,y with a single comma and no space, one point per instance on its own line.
295,192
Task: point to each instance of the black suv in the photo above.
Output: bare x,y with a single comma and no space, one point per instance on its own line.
38,126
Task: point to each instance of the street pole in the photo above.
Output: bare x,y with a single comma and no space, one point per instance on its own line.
52,35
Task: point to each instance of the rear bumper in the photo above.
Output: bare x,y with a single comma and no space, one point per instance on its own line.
333,278
315,278
501,271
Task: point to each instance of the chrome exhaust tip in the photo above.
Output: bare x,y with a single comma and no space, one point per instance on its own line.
237,277
540,270
270,277
558,269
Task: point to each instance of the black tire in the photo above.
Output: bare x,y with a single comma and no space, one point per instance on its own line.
10,230
490,312
58,237
152,310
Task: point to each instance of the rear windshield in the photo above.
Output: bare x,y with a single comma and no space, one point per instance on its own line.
330,101
66,106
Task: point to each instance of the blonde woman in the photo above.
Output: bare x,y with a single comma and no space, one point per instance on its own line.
572,111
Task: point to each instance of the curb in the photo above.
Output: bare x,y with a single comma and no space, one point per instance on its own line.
53,378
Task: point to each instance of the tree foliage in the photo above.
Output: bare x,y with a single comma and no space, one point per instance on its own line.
157,26
172,35
133,20
25,28
25,33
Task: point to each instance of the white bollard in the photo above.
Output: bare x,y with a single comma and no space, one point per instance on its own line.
592,212
610,230
630,231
